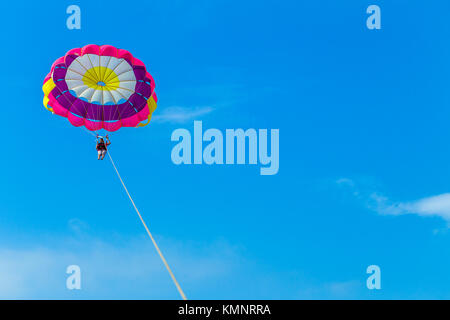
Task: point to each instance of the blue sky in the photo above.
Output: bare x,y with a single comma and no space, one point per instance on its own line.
364,158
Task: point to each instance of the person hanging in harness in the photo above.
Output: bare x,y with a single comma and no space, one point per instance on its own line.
102,147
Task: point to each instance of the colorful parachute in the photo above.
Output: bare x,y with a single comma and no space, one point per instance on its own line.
100,87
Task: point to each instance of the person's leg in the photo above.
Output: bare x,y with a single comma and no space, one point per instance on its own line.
103,154
99,154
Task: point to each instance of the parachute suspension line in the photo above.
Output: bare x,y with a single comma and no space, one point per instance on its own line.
93,133
148,232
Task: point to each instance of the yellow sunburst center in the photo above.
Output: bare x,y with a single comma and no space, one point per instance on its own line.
101,78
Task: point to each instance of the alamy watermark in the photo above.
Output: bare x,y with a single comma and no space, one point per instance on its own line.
237,142
74,280
374,280
374,20
74,20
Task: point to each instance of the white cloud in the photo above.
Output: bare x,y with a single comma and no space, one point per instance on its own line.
345,181
333,290
431,206
181,114
131,270
438,205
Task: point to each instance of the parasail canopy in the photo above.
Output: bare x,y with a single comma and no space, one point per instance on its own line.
100,87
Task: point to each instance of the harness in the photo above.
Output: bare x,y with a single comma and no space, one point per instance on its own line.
101,146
